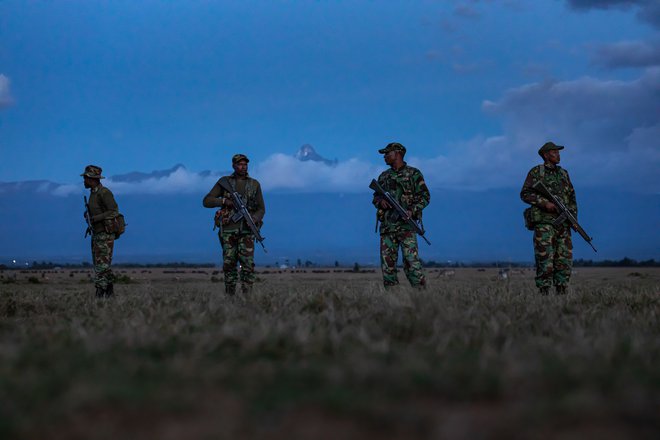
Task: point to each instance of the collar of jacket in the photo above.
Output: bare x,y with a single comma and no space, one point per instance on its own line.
400,169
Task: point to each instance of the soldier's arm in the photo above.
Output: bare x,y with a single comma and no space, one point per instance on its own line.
259,213
214,198
111,210
527,193
422,194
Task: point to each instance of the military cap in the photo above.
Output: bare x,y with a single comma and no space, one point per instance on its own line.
393,146
549,146
239,157
93,172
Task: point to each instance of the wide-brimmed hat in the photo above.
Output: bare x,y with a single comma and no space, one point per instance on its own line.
93,172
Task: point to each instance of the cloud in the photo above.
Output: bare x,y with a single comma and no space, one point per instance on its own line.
628,54
611,130
5,95
283,172
609,127
278,173
647,10
180,181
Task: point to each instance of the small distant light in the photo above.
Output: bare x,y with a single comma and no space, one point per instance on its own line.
13,261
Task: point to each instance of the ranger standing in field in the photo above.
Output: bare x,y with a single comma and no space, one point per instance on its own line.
101,212
236,233
406,185
553,249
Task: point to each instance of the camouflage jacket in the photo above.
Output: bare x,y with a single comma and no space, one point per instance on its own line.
407,186
102,206
557,181
250,191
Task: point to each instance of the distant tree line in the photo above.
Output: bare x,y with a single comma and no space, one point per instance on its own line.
624,262
456,264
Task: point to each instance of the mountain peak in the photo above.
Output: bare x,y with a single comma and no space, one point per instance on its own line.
136,176
307,152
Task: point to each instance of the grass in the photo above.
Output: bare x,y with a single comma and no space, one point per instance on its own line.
470,356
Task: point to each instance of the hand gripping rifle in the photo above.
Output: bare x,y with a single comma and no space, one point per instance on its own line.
418,227
88,216
242,212
564,213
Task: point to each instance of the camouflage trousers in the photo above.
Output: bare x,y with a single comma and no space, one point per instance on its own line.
102,247
553,251
389,254
237,248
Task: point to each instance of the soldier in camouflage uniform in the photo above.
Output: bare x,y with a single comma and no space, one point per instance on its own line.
407,186
102,208
236,239
553,249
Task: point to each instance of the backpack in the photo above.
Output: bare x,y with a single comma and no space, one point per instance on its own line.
115,225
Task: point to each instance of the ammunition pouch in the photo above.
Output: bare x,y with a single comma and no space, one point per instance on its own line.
115,225
529,219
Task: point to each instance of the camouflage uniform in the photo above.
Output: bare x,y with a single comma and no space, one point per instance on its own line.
236,239
553,248
407,186
102,207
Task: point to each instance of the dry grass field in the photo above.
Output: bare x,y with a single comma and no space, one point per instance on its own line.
329,354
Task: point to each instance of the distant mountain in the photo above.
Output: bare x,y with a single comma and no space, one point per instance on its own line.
137,176
29,186
308,153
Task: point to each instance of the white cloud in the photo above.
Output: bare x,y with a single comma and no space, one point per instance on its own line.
282,172
181,181
5,95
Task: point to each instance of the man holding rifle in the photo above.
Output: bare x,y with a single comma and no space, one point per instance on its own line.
400,195
100,210
239,218
549,190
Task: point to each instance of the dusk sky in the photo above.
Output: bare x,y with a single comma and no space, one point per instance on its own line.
472,88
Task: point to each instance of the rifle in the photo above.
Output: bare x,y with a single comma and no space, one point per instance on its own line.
88,216
564,213
418,227
242,211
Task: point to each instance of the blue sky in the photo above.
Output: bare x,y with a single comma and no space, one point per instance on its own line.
471,87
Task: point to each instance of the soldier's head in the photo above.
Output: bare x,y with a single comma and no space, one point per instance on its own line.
393,153
92,176
240,164
550,152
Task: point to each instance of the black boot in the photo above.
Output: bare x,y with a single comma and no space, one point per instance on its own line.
560,290
230,290
110,290
544,291
100,292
